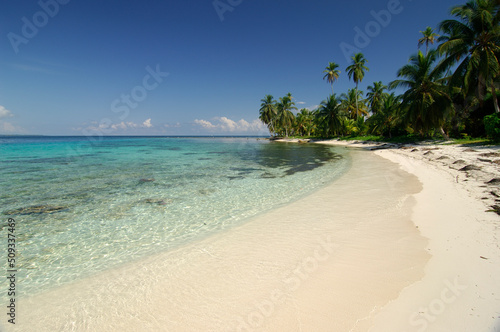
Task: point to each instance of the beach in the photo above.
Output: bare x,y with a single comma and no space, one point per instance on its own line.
460,290
324,260
395,244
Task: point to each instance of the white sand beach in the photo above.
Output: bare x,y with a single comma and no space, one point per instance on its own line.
396,244
461,287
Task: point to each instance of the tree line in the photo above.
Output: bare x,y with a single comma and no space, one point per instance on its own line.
450,90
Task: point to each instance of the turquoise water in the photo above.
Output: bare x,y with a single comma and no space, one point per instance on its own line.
83,207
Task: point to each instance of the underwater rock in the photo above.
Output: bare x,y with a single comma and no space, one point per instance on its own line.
144,180
37,209
157,201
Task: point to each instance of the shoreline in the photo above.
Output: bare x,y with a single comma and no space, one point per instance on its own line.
318,263
396,244
461,287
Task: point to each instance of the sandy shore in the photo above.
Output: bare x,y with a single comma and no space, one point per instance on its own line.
396,244
461,287
327,262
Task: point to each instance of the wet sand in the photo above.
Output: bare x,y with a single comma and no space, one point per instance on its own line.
329,261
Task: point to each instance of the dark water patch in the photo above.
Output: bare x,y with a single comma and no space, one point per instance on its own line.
292,158
204,158
235,177
52,160
157,201
244,169
37,209
207,191
303,168
145,180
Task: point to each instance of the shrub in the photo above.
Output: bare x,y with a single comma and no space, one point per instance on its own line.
492,126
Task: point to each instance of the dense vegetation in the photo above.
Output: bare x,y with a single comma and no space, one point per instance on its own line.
450,90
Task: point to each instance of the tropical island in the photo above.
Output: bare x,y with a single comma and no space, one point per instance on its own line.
148,233
447,91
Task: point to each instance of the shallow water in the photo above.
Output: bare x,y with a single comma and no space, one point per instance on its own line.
82,207
321,263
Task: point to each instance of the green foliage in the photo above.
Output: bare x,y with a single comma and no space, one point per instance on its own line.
446,90
492,126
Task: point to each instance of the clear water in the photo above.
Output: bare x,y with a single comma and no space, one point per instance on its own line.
82,207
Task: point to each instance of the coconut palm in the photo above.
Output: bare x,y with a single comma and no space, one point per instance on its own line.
356,71
304,122
426,100
387,118
376,95
428,37
353,104
330,114
268,112
331,73
472,42
285,118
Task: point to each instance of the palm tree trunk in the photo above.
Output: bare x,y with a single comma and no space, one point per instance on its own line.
332,88
494,96
443,133
356,101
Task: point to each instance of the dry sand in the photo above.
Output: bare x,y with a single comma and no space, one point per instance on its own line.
461,287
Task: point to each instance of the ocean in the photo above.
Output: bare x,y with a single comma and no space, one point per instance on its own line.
82,207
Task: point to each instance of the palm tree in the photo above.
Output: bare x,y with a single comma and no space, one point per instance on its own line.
428,37
376,95
285,117
268,112
356,71
426,100
351,104
387,118
304,122
473,42
331,73
329,113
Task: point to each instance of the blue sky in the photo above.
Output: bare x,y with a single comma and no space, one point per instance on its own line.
156,67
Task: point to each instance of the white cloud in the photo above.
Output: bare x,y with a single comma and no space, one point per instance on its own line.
9,128
204,124
224,124
313,107
170,125
5,113
106,126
